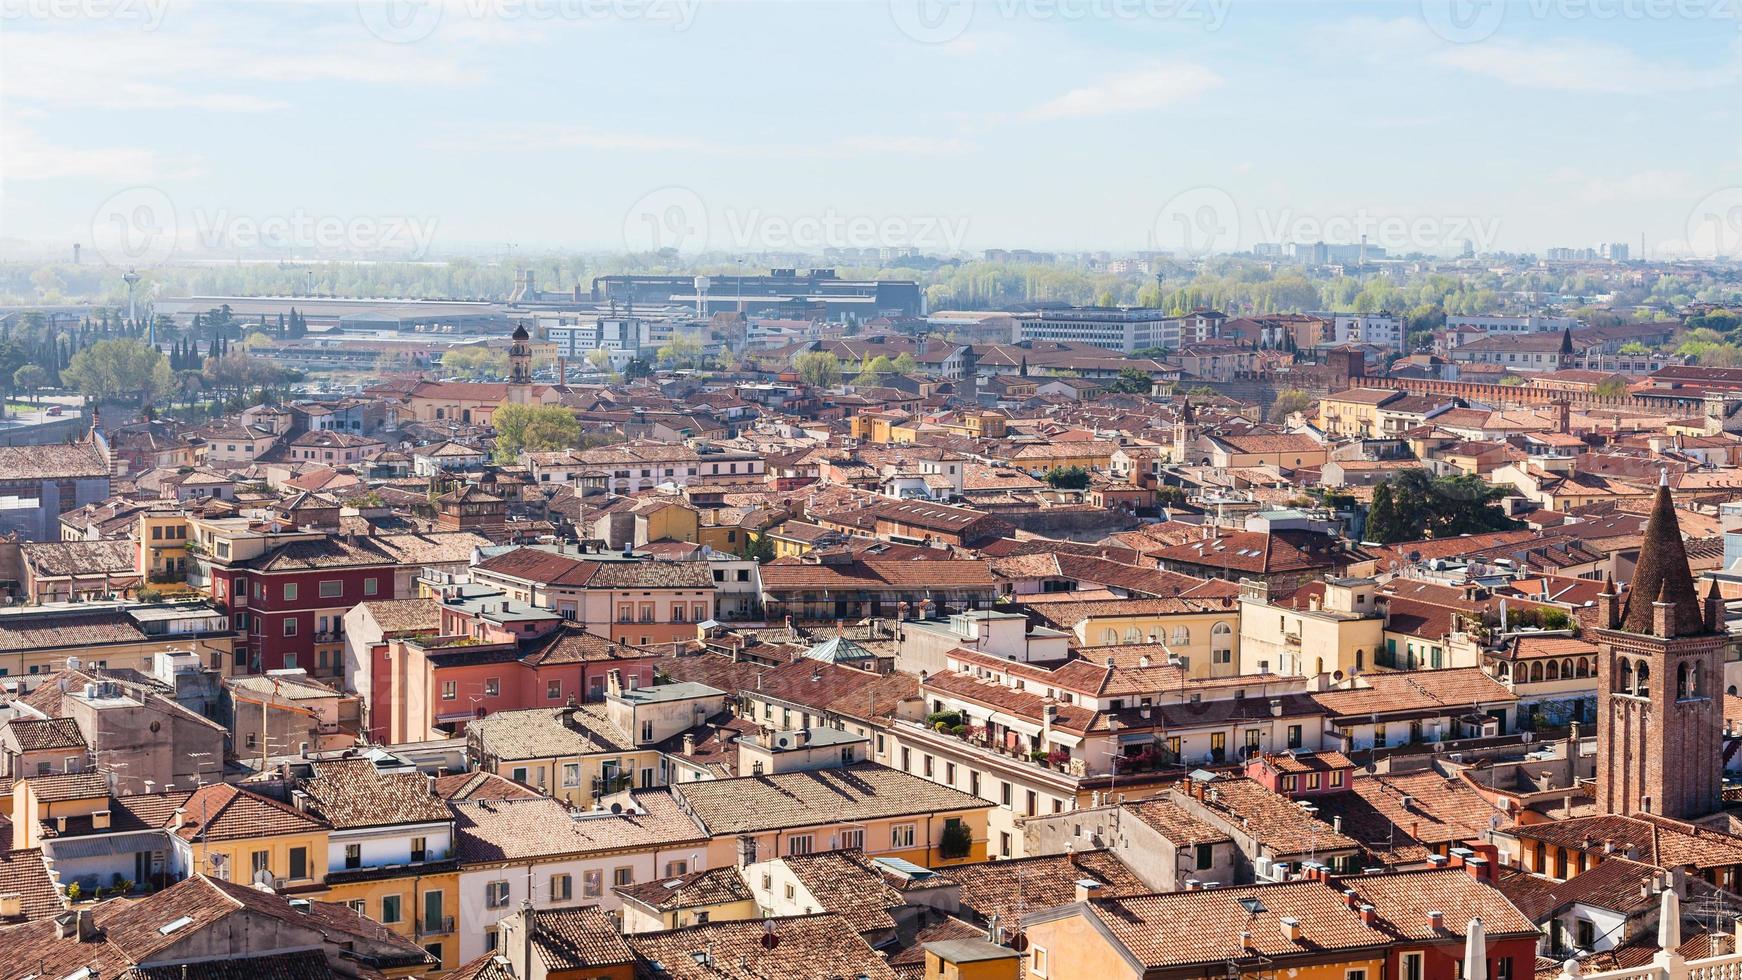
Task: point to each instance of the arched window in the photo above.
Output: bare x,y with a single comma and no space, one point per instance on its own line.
1109,637
1181,636
1682,687
1360,659
1624,676
1553,671
1536,672
1318,665
1584,667
1567,667
1133,635
1642,680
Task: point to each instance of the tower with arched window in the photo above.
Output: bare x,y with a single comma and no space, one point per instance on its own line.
1659,683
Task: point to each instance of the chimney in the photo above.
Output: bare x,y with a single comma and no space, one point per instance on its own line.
1351,899
1276,707
1086,889
689,743
614,683
1368,916
562,370
1436,921
1290,929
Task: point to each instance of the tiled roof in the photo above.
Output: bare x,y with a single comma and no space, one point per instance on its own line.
843,882
353,793
544,733
222,812
578,939
867,791
496,830
873,573
1180,828
24,631
405,615
79,460
37,734
1652,840
1439,811
481,786
66,558
714,886
1010,889
23,873
805,947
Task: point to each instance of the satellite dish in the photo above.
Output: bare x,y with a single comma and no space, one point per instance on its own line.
263,877
1019,942
769,940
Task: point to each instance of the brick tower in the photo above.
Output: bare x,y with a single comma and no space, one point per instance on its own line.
1659,681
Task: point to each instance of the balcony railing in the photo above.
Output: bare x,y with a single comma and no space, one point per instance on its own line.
435,927
612,784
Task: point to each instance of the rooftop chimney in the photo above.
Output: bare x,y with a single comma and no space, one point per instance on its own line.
1086,889
1368,916
1290,929
1436,921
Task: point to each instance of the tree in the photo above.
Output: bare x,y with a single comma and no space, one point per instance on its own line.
818,368
120,368
1615,387
1382,517
1634,347
475,363
757,547
905,364
873,372
637,368
1289,401
31,378
1131,381
1067,478
681,352
533,429
599,360
239,372
1413,504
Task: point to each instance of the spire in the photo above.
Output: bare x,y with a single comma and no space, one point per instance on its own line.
1566,340
1185,412
1663,575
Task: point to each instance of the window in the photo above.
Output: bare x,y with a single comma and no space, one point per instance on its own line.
496,895
1037,961
800,844
592,884
625,612
901,835
1355,975
261,861
1378,736
290,626
492,686
290,592
1206,856
450,690
571,774
675,868
1411,967
518,774
392,908
791,891
553,690
1294,736
562,888
353,855
623,877
332,588
298,863
419,850
853,839
358,906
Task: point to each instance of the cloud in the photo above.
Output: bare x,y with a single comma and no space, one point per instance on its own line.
579,137
29,156
1137,91
1581,66
1645,185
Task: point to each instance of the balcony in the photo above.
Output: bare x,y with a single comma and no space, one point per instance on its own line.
603,785
329,636
435,927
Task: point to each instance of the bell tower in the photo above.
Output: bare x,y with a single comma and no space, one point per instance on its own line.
520,357
1660,673
1185,431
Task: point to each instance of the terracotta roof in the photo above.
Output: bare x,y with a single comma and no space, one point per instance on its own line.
405,615
578,939
544,733
790,800
1439,811
1418,691
844,883
1662,576
1008,889
481,786
353,793
223,812
37,734
713,886
69,558
79,460
25,631
497,830
23,873
807,947
873,573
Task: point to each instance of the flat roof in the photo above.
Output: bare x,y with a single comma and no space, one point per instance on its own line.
675,691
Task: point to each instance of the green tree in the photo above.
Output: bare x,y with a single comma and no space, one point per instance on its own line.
120,368
1634,347
533,429
31,379
1612,387
873,372
476,363
1131,381
1382,517
905,364
1414,504
757,546
1067,478
681,352
818,368
1291,400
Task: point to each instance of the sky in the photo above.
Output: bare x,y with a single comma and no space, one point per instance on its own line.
153,129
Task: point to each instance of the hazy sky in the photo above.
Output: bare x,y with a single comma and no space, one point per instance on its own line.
738,125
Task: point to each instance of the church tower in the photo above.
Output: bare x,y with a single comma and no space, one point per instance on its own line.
1185,431
520,357
1660,674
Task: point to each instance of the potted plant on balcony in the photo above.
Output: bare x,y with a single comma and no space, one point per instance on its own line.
956,841
1057,758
